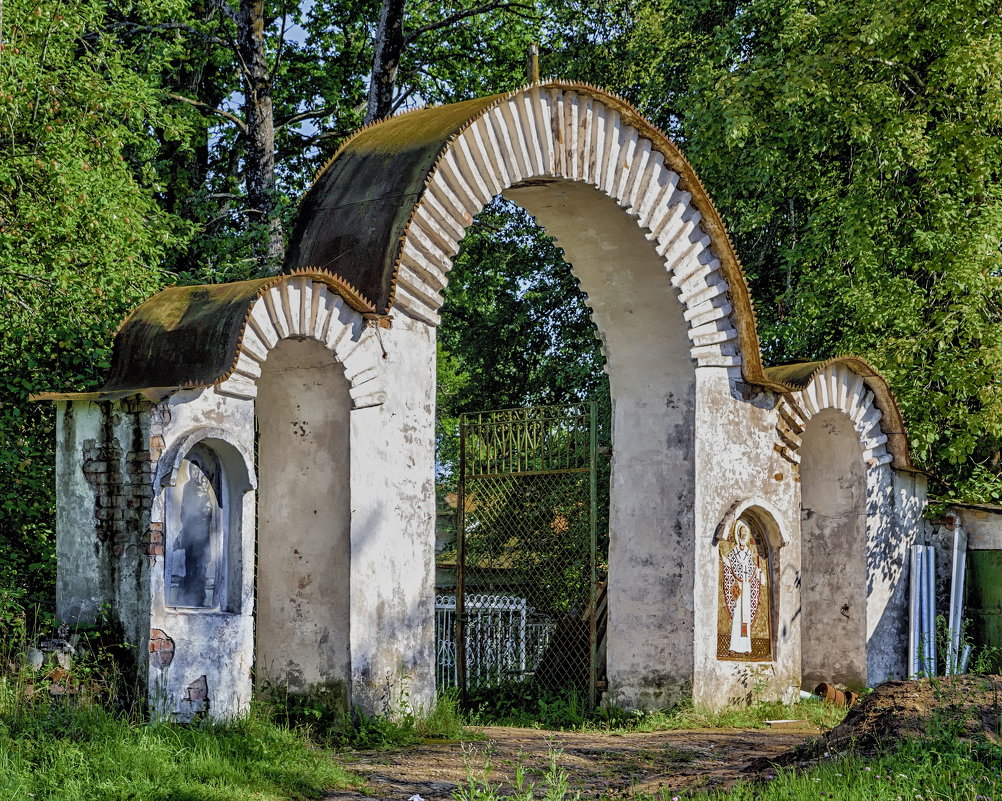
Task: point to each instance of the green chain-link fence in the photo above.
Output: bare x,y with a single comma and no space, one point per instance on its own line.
523,612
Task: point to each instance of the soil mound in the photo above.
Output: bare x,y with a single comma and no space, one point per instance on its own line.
968,707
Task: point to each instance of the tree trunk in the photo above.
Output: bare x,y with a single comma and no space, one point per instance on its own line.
259,159
385,60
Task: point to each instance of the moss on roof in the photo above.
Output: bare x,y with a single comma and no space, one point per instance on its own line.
189,336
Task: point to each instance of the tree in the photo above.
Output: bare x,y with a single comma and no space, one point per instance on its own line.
306,76
855,149
81,241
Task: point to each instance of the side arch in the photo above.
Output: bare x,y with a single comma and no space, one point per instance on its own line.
300,307
849,385
839,424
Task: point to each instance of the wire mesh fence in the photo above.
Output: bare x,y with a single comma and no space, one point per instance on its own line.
523,608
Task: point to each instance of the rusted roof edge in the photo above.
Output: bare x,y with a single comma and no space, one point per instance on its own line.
152,394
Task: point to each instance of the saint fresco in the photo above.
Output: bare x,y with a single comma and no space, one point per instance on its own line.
744,602
196,515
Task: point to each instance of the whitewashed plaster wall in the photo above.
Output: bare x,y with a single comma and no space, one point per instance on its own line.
103,501
895,503
393,529
82,580
392,377
304,519
214,645
738,468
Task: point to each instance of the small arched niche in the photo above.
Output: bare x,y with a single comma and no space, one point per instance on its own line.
747,582
203,507
304,516
833,552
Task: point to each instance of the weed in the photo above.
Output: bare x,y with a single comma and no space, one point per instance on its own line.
444,721
554,786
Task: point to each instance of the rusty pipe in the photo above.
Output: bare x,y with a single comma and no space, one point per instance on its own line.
833,695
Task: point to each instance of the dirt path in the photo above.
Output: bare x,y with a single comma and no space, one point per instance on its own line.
597,763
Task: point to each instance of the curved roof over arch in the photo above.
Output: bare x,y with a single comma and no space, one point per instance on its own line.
848,384
219,335
389,210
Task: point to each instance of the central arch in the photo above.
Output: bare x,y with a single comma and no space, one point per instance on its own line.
666,292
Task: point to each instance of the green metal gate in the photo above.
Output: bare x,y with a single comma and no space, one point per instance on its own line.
526,595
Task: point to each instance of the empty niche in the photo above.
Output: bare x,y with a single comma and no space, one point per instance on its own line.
197,532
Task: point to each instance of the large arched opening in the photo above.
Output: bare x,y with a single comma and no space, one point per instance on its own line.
633,223
833,575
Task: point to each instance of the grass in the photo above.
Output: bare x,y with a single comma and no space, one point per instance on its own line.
816,712
66,751
523,706
91,745
923,769
926,769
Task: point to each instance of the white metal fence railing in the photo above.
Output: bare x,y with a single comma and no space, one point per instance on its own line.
503,640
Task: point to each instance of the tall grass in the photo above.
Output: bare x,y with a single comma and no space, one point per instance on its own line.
85,746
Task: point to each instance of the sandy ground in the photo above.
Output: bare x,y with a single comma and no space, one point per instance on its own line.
597,764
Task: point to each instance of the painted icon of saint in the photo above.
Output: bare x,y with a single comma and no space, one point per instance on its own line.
744,585
195,532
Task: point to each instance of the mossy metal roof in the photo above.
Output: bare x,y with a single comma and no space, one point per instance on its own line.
189,336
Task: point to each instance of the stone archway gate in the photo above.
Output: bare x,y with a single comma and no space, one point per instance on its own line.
375,237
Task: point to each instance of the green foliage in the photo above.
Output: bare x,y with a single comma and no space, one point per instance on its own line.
856,151
320,59
81,240
645,50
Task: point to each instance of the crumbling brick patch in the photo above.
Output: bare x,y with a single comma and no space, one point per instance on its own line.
196,698
154,542
161,649
122,483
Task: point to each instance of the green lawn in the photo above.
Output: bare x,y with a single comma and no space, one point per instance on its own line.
86,754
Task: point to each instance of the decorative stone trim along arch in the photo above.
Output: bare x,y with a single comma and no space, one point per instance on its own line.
303,308
554,133
454,159
834,386
218,335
